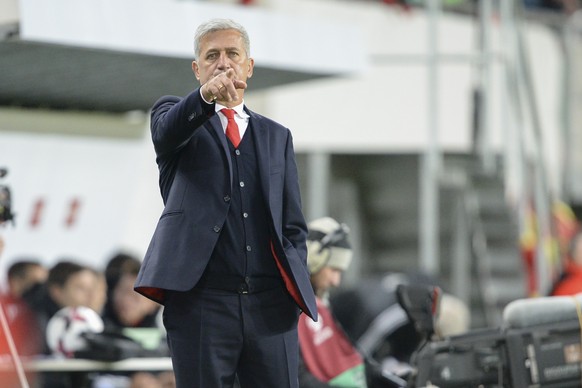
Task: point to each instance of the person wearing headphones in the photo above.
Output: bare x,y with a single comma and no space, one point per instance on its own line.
327,356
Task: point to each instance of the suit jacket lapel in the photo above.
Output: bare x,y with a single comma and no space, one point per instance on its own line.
261,136
218,132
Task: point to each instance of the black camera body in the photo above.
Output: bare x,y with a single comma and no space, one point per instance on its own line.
5,200
546,355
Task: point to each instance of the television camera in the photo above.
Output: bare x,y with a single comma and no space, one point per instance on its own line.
537,345
5,200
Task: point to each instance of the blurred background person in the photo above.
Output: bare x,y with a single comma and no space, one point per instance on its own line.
327,356
68,284
99,294
24,274
125,311
20,337
126,308
570,282
118,264
372,317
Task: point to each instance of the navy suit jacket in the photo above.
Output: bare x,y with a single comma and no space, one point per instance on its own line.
196,183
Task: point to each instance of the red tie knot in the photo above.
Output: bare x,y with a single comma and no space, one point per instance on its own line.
229,113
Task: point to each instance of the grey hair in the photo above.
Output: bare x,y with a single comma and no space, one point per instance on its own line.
219,25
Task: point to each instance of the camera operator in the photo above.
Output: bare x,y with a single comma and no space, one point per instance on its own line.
328,358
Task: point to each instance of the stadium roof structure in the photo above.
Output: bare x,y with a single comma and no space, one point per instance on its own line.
118,56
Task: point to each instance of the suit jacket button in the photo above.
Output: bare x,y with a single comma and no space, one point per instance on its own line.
226,198
191,117
216,228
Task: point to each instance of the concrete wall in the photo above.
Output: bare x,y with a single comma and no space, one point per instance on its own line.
380,110
74,195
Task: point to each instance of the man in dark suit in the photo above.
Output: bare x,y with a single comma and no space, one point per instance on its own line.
228,257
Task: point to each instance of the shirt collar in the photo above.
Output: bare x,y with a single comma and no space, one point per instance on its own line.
239,109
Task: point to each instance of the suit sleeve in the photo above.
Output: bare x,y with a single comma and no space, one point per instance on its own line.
294,226
174,120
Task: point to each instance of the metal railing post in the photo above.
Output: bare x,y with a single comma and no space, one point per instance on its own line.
429,198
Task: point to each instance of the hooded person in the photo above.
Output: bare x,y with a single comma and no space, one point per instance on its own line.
327,356
329,254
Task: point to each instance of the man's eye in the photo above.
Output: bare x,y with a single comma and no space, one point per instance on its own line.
211,56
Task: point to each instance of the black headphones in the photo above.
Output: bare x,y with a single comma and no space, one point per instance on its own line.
337,237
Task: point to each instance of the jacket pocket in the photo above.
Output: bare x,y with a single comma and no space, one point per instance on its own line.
171,214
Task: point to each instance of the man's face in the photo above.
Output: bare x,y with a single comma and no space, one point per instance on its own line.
326,279
77,291
129,306
220,51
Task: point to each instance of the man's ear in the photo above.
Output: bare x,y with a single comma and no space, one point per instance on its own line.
251,67
196,70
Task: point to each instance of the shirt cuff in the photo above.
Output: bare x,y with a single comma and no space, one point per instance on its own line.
202,96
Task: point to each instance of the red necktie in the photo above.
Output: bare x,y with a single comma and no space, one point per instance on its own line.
231,128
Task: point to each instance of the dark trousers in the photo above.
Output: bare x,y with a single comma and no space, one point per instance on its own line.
214,335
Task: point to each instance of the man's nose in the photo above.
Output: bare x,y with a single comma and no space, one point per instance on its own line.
336,279
223,62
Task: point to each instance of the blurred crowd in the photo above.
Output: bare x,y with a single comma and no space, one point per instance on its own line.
566,6
35,297
34,294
